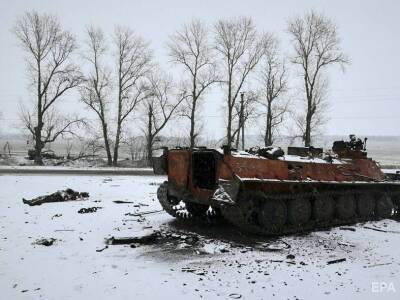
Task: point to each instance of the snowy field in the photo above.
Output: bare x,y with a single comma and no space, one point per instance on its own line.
208,261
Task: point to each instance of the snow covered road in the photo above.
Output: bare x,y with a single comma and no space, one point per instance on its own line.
222,264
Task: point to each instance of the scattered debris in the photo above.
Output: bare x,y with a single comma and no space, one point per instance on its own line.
345,244
167,238
194,271
64,230
140,205
378,265
347,228
211,248
335,261
381,230
235,296
45,242
144,239
290,256
276,246
143,213
56,216
59,196
102,249
122,202
88,210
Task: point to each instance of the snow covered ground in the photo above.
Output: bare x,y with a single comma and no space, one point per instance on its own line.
223,263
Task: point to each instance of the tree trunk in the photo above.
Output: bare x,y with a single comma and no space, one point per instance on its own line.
307,133
237,138
192,125
116,146
119,121
106,143
38,145
309,95
150,151
230,107
243,135
268,129
149,142
38,129
242,118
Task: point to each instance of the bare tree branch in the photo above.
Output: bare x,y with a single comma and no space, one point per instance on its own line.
134,62
97,85
274,85
316,46
160,107
190,48
49,49
240,49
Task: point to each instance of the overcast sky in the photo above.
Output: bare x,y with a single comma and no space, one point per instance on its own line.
364,100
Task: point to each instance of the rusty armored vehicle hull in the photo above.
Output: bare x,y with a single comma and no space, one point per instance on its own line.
264,191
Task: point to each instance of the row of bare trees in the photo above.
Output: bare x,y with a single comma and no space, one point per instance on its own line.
120,78
239,51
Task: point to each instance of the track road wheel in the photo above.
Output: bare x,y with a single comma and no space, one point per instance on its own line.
365,205
346,206
299,211
384,206
324,208
196,209
249,202
167,202
272,215
396,203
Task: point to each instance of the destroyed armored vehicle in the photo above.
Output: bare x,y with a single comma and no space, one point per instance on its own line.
264,191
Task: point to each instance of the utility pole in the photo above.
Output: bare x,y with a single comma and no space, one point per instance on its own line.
242,111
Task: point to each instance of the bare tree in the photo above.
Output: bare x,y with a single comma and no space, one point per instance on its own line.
240,49
320,107
54,126
159,108
134,61
317,46
190,48
49,49
136,146
273,77
97,85
69,144
93,145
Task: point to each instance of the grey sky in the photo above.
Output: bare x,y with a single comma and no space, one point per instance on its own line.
364,100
